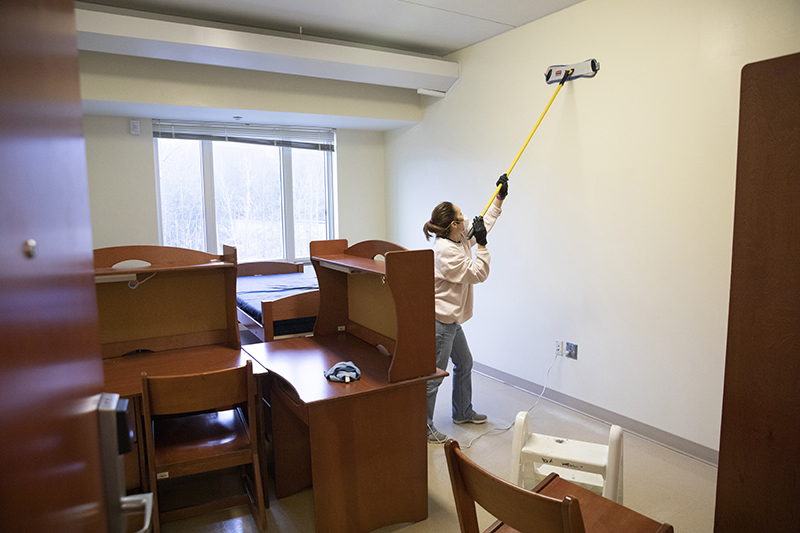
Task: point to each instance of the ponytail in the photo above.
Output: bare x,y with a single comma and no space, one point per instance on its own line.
442,216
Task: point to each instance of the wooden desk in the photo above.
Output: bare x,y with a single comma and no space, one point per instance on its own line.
123,375
362,444
601,511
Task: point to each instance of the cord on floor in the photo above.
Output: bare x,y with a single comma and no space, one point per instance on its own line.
499,431
437,440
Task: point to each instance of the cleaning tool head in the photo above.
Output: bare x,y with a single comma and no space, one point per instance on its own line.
561,73
555,74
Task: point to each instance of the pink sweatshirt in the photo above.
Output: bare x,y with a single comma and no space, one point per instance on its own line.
455,272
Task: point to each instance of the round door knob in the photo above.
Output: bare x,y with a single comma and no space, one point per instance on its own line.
29,248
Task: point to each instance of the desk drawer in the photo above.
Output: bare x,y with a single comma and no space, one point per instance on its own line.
291,444
283,392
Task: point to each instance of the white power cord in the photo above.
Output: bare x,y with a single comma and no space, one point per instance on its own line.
499,431
431,429
135,283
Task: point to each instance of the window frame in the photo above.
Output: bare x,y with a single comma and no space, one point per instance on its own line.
287,191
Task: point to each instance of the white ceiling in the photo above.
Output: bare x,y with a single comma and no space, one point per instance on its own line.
398,43
432,27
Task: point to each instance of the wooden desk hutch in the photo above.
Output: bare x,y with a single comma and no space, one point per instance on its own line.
361,444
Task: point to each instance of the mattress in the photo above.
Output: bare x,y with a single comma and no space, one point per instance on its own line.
252,290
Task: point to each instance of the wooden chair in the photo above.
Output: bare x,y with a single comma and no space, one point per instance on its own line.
554,506
202,423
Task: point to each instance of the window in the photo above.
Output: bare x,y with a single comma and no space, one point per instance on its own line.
264,189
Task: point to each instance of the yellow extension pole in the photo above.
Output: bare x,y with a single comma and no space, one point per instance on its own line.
497,190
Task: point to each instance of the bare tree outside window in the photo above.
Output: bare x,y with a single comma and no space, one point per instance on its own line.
238,197
247,190
181,194
310,198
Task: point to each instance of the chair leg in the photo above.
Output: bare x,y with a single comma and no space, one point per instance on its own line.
255,495
261,522
155,517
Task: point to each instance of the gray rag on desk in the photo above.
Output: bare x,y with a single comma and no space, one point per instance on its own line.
340,371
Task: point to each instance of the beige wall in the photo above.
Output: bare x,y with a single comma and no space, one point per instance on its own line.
361,186
116,78
122,183
618,228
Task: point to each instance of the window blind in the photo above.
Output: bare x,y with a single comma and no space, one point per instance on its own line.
287,136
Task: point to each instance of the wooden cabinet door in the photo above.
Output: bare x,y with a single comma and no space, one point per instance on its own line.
50,366
758,479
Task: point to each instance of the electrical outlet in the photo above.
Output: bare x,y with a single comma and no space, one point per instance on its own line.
559,348
571,350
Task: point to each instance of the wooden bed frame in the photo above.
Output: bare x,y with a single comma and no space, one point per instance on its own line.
290,307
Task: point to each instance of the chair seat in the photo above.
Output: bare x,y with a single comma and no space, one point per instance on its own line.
184,445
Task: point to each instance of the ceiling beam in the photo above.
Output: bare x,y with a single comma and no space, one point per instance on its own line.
178,41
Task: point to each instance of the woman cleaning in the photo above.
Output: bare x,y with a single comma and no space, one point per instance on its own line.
455,272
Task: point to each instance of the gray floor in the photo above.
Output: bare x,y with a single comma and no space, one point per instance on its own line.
660,483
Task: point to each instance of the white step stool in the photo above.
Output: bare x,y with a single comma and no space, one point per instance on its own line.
597,467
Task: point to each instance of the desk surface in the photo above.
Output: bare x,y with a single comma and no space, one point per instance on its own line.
123,375
302,362
601,514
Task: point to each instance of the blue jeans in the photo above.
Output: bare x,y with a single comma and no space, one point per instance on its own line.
451,343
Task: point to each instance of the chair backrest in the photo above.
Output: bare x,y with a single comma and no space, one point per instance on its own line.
525,511
220,390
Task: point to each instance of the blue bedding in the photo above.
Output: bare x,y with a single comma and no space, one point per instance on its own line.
252,290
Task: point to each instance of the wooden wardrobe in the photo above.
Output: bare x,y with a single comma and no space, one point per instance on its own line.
758,482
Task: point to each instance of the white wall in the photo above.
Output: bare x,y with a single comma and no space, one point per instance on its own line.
118,78
361,186
617,231
122,183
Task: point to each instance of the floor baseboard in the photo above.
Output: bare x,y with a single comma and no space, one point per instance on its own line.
673,442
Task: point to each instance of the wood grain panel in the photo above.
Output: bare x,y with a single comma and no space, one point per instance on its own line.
388,490
50,367
371,304
170,303
759,467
